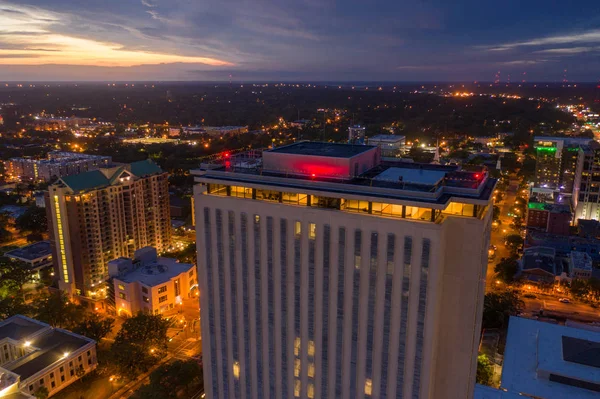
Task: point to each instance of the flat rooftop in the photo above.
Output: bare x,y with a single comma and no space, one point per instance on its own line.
535,350
52,347
156,273
387,138
303,172
20,327
31,252
334,150
412,175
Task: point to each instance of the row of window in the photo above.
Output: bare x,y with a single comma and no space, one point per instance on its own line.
357,206
296,321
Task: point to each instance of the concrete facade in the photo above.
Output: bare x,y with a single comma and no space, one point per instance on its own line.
320,299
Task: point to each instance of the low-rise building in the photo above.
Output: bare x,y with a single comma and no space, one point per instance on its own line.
551,218
551,361
151,284
538,265
36,355
37,255
390,144
580,265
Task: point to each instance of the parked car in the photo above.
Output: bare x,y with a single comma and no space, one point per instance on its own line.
564,300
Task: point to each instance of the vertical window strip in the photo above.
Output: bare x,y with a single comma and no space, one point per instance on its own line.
325,324
211,309
340,312
222,318
355,306
371,304
387,305
311,306
234,302
270,304
258,307
421,317
245,304
297,282
404,315
284,319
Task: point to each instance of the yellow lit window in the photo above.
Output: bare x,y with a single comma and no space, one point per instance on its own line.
312,231
311,370
236,369
297,366
297,228
368,386
257,218
297,388
311,348
311,391
297,346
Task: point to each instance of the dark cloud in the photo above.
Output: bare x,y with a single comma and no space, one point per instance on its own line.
324,39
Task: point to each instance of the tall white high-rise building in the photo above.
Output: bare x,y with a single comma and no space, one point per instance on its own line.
327,273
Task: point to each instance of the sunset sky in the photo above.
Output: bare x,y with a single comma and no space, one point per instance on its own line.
299,40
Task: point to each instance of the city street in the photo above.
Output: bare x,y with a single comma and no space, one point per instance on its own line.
551,306
498,235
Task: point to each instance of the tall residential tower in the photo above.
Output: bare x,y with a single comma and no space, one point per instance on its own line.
327,273
100,215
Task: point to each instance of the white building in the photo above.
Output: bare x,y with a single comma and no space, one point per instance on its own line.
550,361
151,284
36,355
390,144
580,265
325,272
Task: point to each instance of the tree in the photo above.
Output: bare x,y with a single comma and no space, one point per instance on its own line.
579,288
42,393
34,220
56,309
169,379
498,307
15,274
95,328
496,212
140,342
485,370
514,241
506,269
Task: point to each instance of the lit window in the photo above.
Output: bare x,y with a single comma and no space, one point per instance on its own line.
122,287
297,346
297,388
257,218
368,386
297,365
357,260
311,391
311,370
311,348
312,231
297,229
236,369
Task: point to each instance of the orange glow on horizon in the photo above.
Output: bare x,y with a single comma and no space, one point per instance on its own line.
35,42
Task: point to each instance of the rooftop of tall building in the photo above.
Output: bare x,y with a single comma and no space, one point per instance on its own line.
108,175
342,168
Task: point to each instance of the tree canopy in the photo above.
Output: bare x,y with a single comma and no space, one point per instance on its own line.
140,342
170,379
506,269
498,307
485,370
33,220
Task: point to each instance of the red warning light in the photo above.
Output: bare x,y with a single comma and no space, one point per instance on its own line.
477,175
226,155
313,175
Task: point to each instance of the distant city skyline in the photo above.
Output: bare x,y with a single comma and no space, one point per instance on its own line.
306,40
